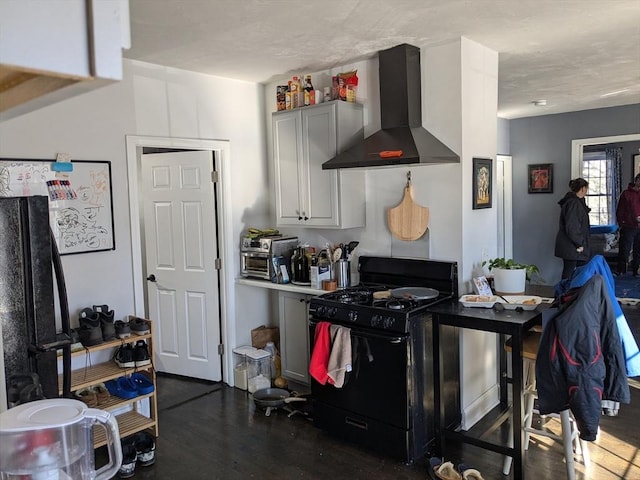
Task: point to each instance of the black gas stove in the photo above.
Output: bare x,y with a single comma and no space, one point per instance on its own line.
386,402
366,305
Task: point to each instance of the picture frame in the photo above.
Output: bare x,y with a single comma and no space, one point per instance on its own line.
80,200
636,166
540,177
482,179
481,286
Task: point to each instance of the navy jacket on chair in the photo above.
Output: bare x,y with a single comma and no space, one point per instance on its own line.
580,360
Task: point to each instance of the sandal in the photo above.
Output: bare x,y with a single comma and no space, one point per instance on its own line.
469,473
441,470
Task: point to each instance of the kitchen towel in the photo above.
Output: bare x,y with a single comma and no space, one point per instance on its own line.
320,354
340,356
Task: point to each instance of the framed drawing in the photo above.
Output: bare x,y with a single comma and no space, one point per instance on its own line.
540,178
481,179
80,201
636,166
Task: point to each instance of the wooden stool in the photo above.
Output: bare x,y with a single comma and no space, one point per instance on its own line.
570,435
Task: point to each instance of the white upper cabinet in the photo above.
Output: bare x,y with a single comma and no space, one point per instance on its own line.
306,195
52,50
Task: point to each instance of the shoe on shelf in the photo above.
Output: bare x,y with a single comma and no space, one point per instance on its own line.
129,458
124,356
106,321
89,317
122,387
102,394
88,396
141,355
139,326
145,448
89,335
123,330
142,383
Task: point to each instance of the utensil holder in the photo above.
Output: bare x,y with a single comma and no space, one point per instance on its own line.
343,273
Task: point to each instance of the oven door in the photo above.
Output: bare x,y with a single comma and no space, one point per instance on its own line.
256,265
377,387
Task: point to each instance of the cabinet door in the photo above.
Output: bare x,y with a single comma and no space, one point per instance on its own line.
287,146
294,336
320,189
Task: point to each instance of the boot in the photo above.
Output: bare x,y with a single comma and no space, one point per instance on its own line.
622,268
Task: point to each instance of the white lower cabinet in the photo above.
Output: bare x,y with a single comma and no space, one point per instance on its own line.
294,336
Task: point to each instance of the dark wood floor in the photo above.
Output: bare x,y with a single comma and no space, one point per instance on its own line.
211,431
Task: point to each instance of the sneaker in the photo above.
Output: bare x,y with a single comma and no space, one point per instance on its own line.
139,326
123,330
89,335
106,321
145,448
88,396
141,355
124,356
142,383
129,457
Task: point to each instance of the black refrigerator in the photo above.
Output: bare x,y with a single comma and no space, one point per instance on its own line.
29,266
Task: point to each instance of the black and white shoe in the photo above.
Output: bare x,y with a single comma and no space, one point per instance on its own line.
122,329
124,356
129,458
141,355
139,326
145,449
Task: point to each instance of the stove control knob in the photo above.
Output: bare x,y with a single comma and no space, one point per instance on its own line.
321,311
331,312
376,320
388,322
353,316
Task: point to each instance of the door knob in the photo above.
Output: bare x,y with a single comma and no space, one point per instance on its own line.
151,278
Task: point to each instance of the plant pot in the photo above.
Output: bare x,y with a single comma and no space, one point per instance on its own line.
509,281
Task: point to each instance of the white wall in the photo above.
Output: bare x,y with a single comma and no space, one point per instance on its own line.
153,100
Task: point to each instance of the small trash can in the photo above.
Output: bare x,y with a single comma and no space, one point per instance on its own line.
258,370
240,365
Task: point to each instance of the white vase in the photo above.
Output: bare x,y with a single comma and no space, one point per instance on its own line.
509,281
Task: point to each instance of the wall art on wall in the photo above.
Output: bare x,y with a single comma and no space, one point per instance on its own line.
636,165
540,178
80,201
482,188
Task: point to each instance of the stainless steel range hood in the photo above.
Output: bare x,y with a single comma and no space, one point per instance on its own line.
401,119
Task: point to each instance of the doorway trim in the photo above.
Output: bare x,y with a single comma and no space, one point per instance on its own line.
221,149
577,147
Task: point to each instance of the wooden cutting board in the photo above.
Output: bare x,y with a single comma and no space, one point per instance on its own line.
408,221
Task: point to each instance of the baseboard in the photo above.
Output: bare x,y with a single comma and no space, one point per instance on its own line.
480,407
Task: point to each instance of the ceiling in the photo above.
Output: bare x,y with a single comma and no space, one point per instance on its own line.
575,54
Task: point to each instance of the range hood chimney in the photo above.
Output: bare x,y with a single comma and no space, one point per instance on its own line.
401,119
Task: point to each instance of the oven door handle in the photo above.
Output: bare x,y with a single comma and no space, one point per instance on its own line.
365,335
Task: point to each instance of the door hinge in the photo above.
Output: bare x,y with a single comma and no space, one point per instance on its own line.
221,349
214,177
217,263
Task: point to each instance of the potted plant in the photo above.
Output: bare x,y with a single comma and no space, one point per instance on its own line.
510,277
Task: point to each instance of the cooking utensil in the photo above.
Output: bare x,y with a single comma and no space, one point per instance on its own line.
414,293
270,398
505,300
408,220
337,254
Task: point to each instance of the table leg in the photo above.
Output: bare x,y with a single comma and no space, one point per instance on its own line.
518,407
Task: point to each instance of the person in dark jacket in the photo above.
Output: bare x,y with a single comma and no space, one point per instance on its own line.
628,217
572,240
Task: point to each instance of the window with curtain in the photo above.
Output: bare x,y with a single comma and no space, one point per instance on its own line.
601,168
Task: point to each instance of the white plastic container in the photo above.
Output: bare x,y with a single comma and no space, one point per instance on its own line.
258,370
240,365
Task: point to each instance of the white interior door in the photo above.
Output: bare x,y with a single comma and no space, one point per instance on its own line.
181,253
504,201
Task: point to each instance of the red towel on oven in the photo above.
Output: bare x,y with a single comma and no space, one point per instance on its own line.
320,354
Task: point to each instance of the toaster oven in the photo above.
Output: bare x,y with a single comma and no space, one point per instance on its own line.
256,255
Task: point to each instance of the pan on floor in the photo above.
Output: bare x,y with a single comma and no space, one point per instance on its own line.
270,398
